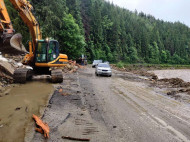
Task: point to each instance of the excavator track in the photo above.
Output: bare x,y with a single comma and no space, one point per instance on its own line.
22,75
57,76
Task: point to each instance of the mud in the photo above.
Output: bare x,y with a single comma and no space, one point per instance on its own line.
122,108
174,82
118,109
138,70
17,104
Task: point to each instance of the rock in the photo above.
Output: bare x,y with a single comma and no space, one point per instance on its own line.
6,55
114,126
3,59
155,77
4,82
6,68
78,91
19,64
6,94
10,60
18,108
26,109
75,67
28,67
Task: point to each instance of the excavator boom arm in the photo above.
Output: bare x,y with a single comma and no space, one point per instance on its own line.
6,27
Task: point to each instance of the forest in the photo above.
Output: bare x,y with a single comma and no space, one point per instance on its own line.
102,30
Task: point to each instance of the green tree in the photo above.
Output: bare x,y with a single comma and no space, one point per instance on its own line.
132,53
163,57
72,42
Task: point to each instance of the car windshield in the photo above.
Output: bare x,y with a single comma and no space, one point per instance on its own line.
103,65
96,61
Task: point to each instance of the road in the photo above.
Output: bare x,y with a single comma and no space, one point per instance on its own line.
121,108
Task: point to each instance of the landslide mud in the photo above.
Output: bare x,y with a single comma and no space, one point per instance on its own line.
120,108
17,105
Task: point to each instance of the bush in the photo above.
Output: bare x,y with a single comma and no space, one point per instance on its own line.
120,64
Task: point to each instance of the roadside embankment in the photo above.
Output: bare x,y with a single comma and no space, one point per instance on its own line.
176,82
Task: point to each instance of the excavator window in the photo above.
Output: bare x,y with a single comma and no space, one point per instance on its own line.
41,52
47,51
53,51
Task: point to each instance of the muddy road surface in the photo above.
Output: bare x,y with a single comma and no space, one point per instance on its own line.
121,108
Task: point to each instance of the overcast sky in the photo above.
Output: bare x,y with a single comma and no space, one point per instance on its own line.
168,10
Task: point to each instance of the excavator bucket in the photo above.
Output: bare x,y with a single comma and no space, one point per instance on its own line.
12,44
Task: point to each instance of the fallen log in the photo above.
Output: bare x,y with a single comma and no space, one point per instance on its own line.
76,139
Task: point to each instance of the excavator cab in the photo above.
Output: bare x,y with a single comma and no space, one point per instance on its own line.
47,51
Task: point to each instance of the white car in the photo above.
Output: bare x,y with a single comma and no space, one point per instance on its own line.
103,69
95,63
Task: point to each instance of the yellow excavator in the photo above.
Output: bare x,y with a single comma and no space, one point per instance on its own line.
43,53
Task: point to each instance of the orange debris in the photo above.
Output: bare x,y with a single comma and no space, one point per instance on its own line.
43,127
60,90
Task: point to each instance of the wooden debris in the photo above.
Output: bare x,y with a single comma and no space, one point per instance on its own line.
60,90
71,67
76,139
43,127
65,94
18,108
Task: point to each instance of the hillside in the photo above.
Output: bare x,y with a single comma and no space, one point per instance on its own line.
102,30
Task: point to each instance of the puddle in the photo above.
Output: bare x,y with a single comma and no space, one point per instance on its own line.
17,107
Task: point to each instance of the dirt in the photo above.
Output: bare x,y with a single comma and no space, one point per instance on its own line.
17,104
125,107
175,82
139,70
